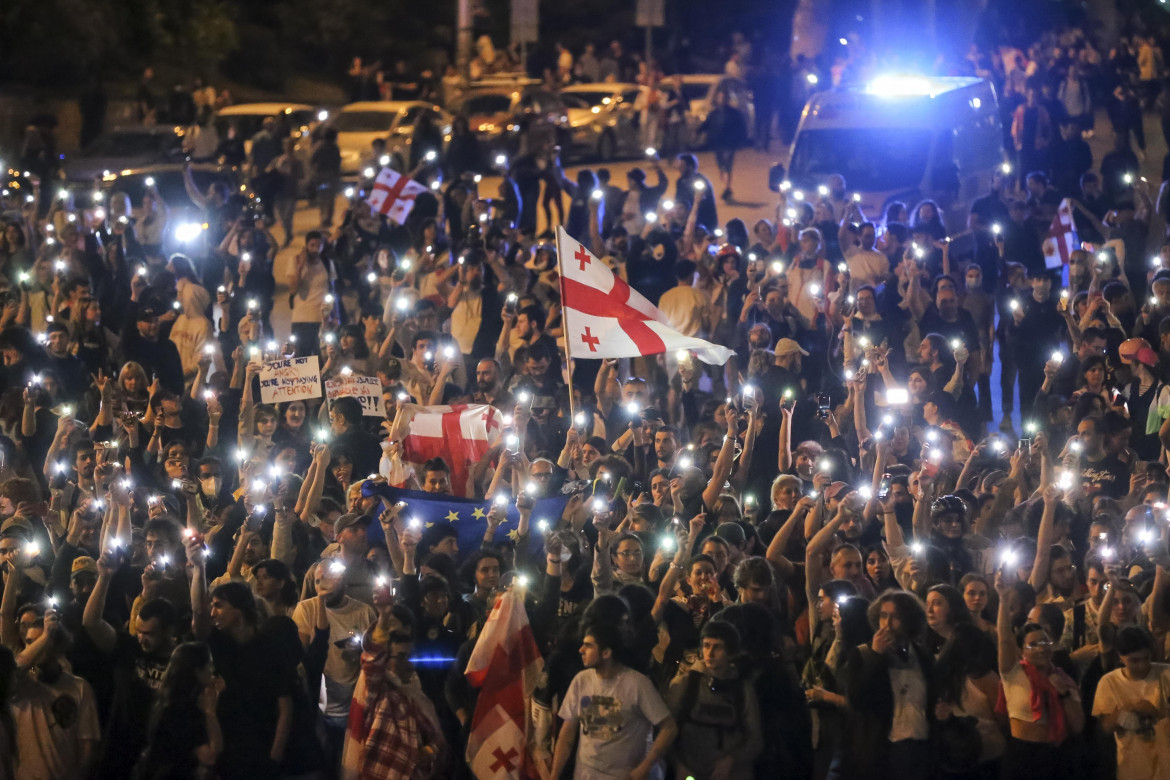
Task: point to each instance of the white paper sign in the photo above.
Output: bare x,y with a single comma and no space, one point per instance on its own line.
366,389
290,380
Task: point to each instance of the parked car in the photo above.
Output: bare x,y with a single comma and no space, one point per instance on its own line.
127,147
497,114
603,120
699,89
299,120
358,124
249,119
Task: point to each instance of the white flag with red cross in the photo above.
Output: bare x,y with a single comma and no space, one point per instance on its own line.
394,194
1061,240
605,318
505,666
459,434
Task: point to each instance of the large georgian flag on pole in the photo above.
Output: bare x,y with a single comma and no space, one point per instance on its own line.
394,194
1062,237
459,434
505,666
605,318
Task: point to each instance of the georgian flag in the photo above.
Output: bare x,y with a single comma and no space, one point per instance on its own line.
605,318
1062,237
505,666
460,434
394,194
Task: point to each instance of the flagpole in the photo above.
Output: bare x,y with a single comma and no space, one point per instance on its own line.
565,322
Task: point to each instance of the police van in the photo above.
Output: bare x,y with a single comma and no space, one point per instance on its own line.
903,138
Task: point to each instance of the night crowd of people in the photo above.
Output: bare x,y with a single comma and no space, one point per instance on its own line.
828,558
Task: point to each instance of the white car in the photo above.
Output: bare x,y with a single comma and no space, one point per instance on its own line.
359,124
604,120
698,90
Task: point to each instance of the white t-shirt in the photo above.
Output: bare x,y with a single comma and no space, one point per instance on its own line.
466,318
1138,755
866,266
343,664
683,307
309,296
615,718
52,721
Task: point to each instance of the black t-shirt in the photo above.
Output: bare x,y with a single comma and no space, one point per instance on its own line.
137,680
1106,477
254,678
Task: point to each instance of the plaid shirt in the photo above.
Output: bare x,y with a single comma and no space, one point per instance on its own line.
398,739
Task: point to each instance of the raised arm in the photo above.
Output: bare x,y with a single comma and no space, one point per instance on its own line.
200,606
100,632
724,461
1009,653
1044,540
784,459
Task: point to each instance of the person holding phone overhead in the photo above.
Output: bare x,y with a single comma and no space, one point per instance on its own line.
1043,703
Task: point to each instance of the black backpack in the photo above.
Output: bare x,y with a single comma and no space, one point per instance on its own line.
733,687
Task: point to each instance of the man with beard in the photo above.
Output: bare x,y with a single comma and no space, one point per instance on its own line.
522,329
138,665
867,266
488,388
665,446
774,309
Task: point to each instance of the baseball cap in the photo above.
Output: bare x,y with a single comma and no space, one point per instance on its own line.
349,520
1139,350
836,490
148,311
83,564
787,347
16,524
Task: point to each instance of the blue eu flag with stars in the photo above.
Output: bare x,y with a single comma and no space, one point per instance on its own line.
468,516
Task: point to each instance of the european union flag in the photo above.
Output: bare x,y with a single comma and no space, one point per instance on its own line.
468,516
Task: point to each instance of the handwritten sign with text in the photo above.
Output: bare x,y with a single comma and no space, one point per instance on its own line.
290,380
366,389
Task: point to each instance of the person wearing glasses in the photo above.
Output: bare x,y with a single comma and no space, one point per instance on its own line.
1042,703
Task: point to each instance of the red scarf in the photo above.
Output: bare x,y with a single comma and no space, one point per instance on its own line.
1045,701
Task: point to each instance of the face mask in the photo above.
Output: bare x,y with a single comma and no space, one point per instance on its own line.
211,485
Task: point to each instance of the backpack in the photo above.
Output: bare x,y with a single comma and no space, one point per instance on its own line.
734,688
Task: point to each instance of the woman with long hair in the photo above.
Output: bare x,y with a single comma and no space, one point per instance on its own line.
976,592
945,611
1042,703
968,687
184,740
878,569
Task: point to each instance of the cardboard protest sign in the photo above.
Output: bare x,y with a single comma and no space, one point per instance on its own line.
290,379
366,389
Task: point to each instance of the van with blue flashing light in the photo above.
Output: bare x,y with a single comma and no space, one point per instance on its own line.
903,138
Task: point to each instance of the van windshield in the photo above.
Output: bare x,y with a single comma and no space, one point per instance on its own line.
870,159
